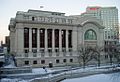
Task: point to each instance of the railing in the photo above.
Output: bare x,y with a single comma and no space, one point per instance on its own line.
15,70
34,54
26,54
50,54
57,53
42,54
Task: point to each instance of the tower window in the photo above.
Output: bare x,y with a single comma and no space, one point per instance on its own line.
33,18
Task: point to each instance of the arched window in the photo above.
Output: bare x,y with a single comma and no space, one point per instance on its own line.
90,35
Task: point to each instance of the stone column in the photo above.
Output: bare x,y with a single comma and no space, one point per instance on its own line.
53,41
66,40
46,41
74,39
60,41
20,41
30,40
38,40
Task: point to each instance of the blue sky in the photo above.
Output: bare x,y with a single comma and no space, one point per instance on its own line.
8,8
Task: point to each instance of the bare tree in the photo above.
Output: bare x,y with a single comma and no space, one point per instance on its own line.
84,54
109,49
117,53
96,54
113,51
117,56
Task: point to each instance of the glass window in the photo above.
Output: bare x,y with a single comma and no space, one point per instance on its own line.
26,62
57,61
35,62
90,35
42,61
71,60
26,50
33,18
56,50
26,37
64,60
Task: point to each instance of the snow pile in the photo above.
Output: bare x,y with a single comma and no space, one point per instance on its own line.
10,66
11,63
12,80
41,70
1,57
96,78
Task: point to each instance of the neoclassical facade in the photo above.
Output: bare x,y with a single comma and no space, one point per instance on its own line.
38,37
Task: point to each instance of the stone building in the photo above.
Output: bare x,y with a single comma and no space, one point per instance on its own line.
38,37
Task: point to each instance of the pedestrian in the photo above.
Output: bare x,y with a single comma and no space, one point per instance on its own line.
45,69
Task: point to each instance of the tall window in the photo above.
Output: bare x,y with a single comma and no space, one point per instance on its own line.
49,34
70,38
42,38
57,38
90,35
34,37
26,37
63,38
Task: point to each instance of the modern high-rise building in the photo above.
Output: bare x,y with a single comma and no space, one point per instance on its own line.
39,38
109,16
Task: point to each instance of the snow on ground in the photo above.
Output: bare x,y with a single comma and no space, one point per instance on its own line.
41,70
12,80
36,71
10,66
2,57
97,78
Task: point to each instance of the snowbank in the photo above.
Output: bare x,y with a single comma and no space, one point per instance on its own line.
12,80
41,70
96,78
10,66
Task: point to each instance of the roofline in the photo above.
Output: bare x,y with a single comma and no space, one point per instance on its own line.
44,11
